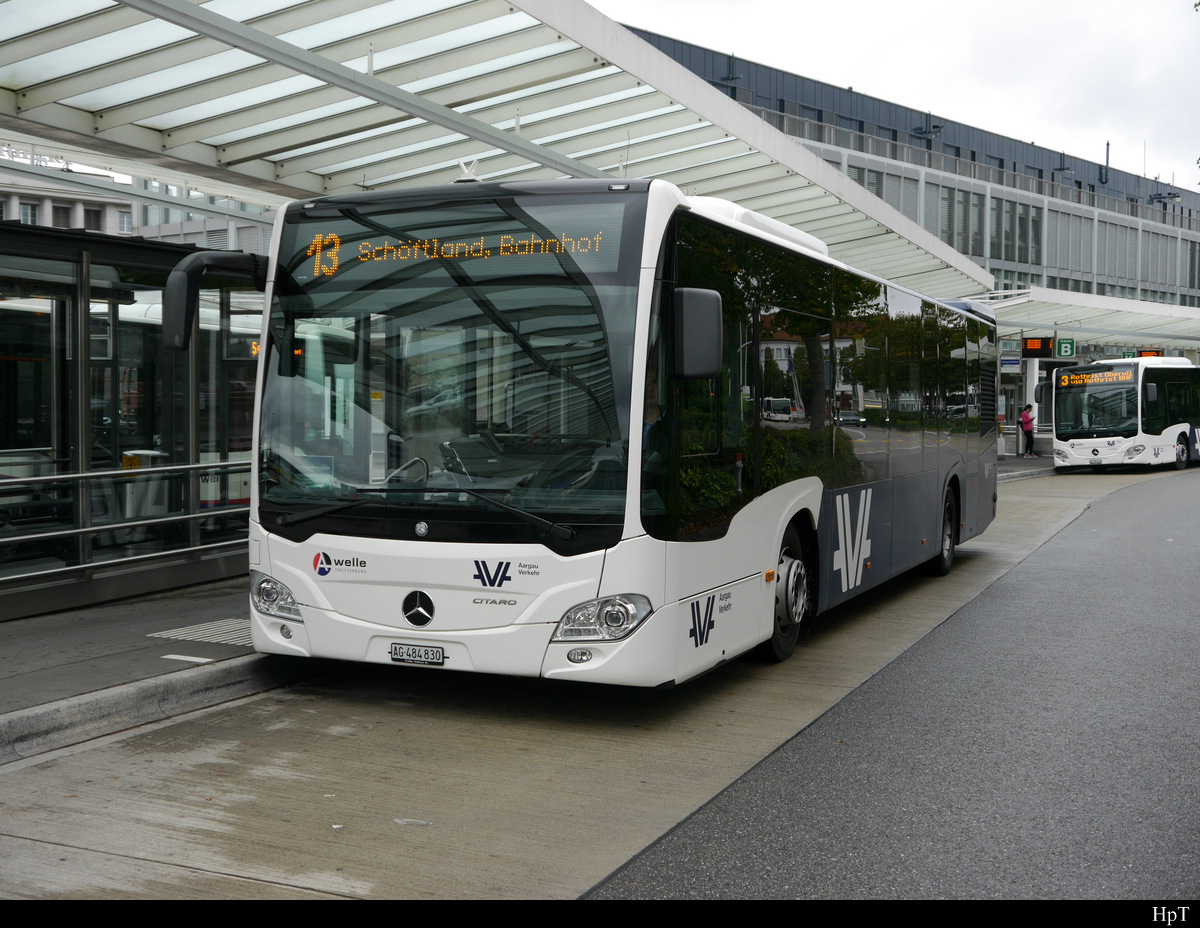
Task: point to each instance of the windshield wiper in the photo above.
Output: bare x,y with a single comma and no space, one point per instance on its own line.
295,518
563,532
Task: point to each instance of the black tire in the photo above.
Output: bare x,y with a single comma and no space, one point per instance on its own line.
795,596
947,538
1181,452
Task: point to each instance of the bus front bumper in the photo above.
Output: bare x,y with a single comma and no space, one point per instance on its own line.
1103,452
515,650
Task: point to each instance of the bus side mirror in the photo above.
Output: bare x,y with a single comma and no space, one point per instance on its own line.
1151,393
181,295
699,330
1039,392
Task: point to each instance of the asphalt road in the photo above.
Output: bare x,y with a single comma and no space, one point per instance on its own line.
1043,743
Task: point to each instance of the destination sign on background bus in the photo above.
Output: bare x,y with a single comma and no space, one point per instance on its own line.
1096,378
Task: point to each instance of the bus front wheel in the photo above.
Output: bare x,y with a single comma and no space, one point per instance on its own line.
795,596
1181,452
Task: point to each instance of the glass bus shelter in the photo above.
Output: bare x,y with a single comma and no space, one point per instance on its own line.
124,467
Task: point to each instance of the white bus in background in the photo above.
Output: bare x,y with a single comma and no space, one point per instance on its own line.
777,409
1135,411
521,445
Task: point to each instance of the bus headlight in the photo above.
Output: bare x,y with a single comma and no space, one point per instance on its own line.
272,598
604,619
1131,453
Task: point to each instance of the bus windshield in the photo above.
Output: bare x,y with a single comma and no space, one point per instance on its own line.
441,354
1096,402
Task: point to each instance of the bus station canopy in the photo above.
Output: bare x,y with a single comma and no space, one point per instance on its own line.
1090,319
269,100
296,98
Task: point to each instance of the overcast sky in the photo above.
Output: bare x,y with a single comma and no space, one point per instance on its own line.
1068,75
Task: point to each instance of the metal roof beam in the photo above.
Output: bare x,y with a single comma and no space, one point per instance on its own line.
169,56
720,178
134,150
421,154
200,20
267,73
307,141
691,136
267,142
415,133
43,41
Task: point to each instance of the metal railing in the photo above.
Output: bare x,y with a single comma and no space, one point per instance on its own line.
73,498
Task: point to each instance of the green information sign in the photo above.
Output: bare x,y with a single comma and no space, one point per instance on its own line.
1064,348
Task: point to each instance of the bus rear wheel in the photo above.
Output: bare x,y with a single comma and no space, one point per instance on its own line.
947,539
795,596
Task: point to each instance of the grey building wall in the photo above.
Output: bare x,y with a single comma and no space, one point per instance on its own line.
1032,216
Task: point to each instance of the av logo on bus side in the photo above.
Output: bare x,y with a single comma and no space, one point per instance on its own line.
702,616
854,545
702,621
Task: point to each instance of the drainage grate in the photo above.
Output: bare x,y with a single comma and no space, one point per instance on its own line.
225,631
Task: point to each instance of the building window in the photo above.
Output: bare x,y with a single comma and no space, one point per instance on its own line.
62,217
1010,230
29,214
93,219
1023,233
978,207
125,221
1035,235
875,182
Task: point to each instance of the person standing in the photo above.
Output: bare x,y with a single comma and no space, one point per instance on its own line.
1027,418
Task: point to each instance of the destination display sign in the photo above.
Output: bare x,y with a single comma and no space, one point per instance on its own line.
1095,378
327,249
486,240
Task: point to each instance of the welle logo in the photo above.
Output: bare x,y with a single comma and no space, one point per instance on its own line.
854,544
492,578
702,621
324,565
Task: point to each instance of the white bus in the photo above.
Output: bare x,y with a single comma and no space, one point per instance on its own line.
514,428
778,409
1134,411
